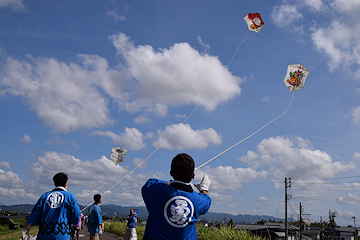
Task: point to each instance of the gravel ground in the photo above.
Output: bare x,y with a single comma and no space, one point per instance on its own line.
105,236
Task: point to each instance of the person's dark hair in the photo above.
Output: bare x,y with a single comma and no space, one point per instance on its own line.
60,179
182,167
97,198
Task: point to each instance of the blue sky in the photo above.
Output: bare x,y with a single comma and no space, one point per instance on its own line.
80,77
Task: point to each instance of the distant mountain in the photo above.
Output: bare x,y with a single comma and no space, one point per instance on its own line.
116,210
21,208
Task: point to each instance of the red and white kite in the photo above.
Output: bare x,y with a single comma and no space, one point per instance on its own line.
295,77
254,22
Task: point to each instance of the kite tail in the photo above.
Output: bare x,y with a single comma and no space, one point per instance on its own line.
247,136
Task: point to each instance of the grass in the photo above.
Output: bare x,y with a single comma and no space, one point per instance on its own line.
203,233
120,227
15,234
223,233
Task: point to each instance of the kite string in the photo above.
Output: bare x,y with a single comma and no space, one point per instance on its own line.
247,136
245,38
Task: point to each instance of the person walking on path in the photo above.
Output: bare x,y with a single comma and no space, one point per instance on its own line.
95,226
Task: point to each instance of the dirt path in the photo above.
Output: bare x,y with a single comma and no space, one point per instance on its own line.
84,235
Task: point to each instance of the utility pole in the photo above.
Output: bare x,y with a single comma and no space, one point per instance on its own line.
355,233
332,216
287,197
300,221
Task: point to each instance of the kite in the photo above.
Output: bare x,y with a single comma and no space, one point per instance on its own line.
117,155
254,22
295,77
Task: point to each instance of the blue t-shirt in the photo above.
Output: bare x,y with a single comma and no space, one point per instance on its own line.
54,212
131,221
172,212
95,219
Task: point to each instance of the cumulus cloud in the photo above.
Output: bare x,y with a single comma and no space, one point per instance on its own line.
80,172
184,137
141,119
356,155
316,5
15,5
9,179
261,198
176,76
341,51
15,194
26,139
65,96
91,176
350,199
355,114
283,157
131,139
347,5
5,165
224,178
285,15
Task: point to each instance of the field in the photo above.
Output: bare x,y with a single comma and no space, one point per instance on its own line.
203,233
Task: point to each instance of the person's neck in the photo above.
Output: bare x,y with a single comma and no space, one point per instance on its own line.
179,181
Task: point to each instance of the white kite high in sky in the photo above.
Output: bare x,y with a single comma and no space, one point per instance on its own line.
117,155
295,77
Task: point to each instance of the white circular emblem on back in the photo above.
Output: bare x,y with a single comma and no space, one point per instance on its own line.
178,211
55,199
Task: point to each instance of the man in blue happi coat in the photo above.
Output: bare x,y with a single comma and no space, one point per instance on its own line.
54,212
174,206
95,226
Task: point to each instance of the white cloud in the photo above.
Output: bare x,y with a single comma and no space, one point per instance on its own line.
229,178
294,158
316,5
5,165
355,113
16,5
118,17
14,194
350,199
356,155
141,119
176,76
26,139
131,139
261,198
138,161
285,15
184,137
347,5
204,45
90,174
10,180
342,51
65,96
